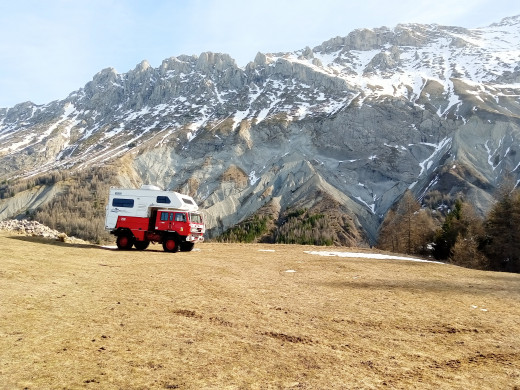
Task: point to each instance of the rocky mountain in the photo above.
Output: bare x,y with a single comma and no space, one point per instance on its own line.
345,127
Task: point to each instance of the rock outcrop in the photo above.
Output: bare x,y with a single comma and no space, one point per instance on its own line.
35,229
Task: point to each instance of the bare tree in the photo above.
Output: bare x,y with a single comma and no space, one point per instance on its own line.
407,229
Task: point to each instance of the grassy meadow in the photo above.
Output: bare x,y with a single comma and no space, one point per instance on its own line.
249,316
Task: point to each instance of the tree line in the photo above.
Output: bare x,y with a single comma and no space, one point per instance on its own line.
10,187
298,226
461,236
79,210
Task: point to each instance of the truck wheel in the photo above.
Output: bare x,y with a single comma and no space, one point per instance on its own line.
124,242
170,245
187,246
141,245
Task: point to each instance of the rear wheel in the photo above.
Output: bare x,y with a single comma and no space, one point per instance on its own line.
170,245
141,245
124,242
187,246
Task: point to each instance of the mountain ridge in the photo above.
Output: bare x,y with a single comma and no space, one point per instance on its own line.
361,118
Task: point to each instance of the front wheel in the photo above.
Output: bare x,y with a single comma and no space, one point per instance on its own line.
170,245
124,242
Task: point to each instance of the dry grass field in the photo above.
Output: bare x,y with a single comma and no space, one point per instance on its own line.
231,316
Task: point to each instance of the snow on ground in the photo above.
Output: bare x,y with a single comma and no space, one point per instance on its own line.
253,178
426,164
239,117
371,207
377,256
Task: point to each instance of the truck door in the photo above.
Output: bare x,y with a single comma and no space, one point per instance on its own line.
181,225
164,220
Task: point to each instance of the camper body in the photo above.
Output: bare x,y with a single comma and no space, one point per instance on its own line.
140,216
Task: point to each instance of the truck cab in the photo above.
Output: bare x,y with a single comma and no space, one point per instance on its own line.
168,220
184,223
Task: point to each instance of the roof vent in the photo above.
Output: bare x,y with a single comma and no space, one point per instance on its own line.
150,187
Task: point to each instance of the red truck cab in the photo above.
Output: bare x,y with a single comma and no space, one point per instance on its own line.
185,223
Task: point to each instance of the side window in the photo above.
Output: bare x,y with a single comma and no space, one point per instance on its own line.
164,216
180,217
120,202
163,199
187,201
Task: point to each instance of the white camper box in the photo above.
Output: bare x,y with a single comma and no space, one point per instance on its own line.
140,202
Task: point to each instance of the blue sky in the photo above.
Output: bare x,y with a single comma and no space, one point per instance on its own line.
50,48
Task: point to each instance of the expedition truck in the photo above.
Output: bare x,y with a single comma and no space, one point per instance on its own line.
140,216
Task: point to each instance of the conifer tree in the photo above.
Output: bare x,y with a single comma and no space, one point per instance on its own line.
502,244
447,236
466,250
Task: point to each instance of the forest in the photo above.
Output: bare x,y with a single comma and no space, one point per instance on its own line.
455,233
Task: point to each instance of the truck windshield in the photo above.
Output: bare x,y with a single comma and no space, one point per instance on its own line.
195,218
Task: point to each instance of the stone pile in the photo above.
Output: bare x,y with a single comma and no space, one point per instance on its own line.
36,229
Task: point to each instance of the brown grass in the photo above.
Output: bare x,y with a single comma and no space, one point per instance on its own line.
229,316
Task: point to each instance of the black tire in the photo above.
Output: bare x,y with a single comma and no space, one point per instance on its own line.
141,245
170,245
187,246
124,242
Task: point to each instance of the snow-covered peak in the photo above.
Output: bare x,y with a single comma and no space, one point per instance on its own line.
508,21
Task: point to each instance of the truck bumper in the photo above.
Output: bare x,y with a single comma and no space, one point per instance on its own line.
194,239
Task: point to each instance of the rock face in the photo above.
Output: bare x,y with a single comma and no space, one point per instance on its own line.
356,120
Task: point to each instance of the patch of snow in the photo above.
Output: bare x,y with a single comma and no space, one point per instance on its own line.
252,178
239,117
327,59
426,164
197,125
371,207
376,256
69,109
493,153
17,145
303,110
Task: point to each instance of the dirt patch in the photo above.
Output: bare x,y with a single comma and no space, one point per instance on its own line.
236,175
231,316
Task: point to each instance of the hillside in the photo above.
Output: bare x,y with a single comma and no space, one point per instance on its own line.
345,127
249,316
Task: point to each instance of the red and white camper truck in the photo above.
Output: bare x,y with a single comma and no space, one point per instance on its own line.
140,216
